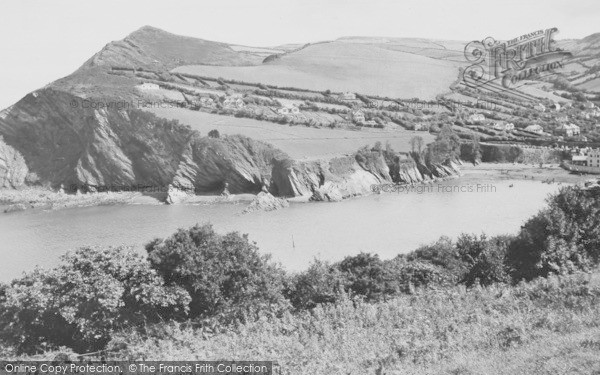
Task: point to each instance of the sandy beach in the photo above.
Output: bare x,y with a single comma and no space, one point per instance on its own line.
550,173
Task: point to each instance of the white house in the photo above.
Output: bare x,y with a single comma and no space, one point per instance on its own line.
207,101
504,126
593,158
233,102
589,105
540,107
535,129
476,117
568,130
288,109
556,106
148,86
358,116
579,160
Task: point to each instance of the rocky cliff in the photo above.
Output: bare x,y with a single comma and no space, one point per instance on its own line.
56,136
60,140
13,169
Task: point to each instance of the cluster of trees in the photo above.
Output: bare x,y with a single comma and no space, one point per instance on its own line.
197,274
446,147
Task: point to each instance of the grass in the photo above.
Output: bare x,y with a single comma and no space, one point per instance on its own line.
593,85
297,141
548,326
370,69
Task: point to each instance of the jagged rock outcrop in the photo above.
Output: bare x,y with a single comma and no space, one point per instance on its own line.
266,202
13,169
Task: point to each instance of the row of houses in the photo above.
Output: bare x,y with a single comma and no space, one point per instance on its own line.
587,158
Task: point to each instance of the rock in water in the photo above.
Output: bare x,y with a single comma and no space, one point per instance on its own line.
327,193
266,202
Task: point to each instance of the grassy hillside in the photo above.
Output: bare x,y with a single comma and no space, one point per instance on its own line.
297,141
544,327
347,66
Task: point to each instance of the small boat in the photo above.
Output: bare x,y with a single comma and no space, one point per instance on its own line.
511,185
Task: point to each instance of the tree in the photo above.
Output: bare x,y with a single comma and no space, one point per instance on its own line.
485,259
321,283
214,134
224,274
446,147
416,144
78,304
561,239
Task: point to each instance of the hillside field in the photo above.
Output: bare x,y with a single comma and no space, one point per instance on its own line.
297,141
341,66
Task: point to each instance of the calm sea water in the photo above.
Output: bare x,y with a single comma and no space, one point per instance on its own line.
386,224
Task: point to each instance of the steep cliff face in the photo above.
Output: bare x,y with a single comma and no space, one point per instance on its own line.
13,169
66,143
349,176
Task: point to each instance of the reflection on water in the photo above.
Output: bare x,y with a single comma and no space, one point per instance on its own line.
387,224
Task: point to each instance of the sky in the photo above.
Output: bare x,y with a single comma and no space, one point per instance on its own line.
43,40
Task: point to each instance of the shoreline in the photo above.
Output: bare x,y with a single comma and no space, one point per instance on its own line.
38,198
548,173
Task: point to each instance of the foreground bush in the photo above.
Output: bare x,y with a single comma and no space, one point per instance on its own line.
321,283
82,301
224,274
561,239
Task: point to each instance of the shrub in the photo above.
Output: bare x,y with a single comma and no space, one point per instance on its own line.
224,274
366,275
443,254
484,258
82,301
561,239
321,283
415,274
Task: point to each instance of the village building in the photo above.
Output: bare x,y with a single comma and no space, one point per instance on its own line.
568,130
288,109
586,158
233,102
589,105
535,129
357,116
205,101
579,160
475,118
593,158
540,107
504,126
370,123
